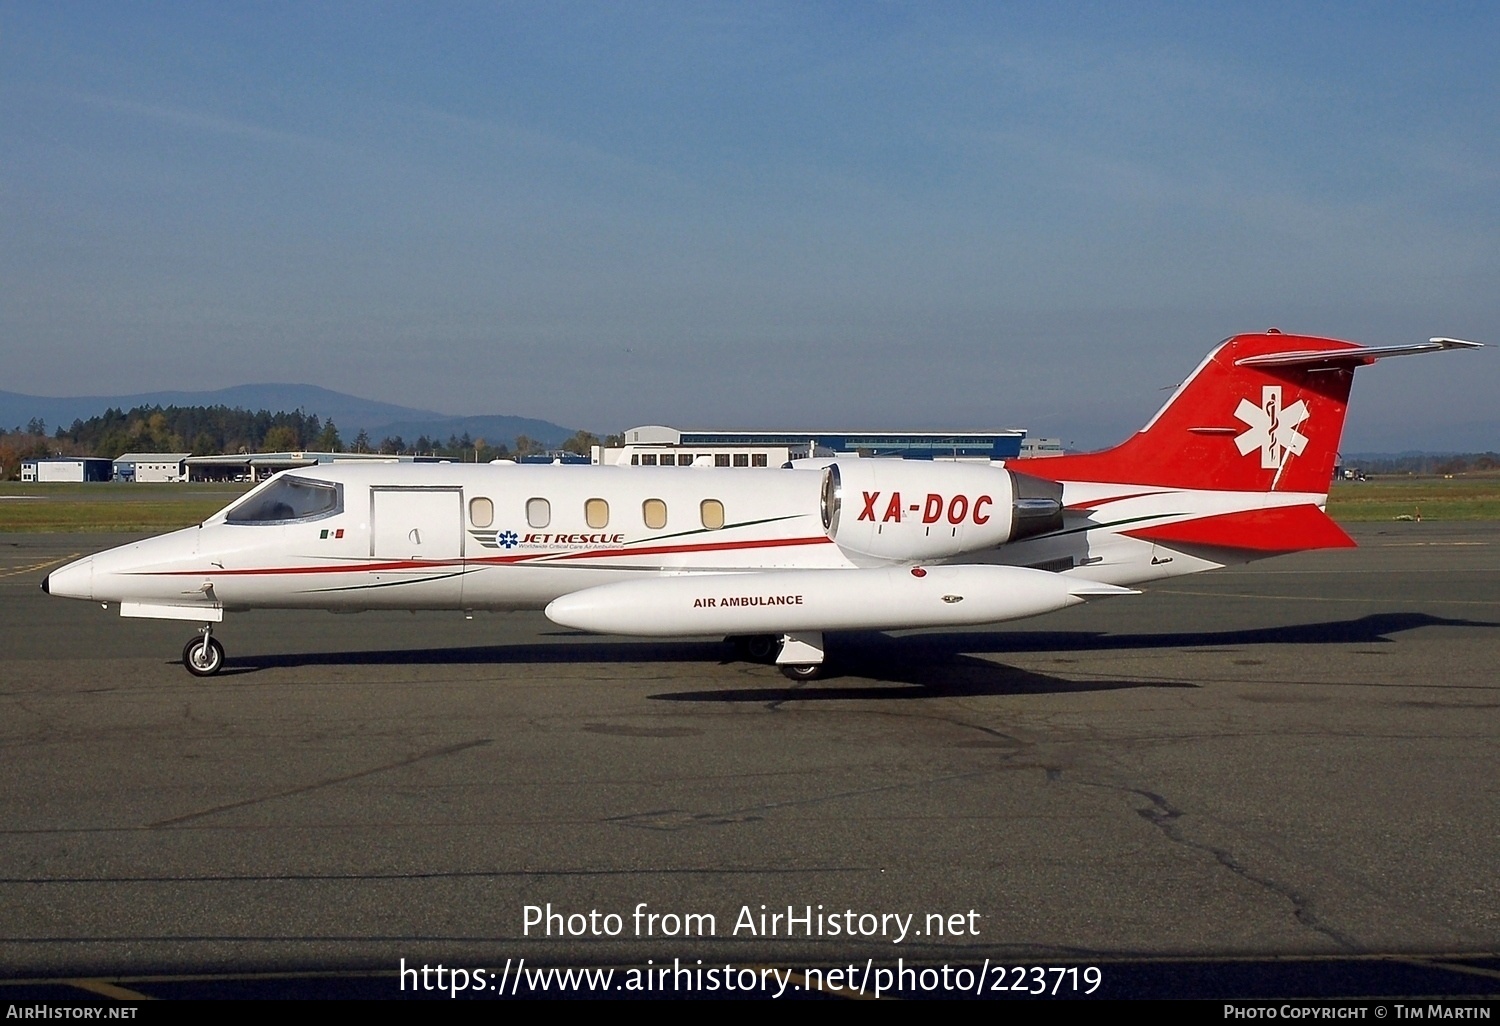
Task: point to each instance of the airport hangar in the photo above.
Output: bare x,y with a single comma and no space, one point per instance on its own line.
657,445
257,466
66,468
176,467
652,445
151,467
139,467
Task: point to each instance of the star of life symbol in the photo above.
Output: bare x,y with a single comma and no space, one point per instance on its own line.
496,539
1270,428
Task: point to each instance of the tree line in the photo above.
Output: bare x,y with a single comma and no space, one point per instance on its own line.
1426,464
199,430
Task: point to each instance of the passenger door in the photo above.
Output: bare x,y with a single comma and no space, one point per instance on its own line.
417,535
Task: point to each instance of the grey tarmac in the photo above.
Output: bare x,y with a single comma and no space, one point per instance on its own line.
1298,757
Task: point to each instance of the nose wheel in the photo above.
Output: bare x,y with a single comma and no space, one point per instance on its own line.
203,656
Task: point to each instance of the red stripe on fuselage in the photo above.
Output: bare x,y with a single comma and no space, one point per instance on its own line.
403,564
549,557
663,550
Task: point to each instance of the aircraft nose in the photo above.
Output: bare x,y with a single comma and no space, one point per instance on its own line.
76,580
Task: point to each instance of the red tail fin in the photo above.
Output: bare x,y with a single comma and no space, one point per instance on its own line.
1261,413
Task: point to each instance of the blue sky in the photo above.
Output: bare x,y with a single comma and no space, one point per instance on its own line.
880,214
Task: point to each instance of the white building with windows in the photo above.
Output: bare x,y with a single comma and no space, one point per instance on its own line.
655,445
147,467
1031,448
66,468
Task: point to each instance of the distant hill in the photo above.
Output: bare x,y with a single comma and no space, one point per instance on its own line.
349,412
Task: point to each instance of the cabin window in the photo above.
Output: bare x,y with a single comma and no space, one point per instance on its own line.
741,459
481,512
758,460
596,513
668,460
654,512
712,513
721,459
635,460
648,460
289,498
538,512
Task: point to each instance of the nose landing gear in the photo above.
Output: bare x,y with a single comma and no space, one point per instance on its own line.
203,656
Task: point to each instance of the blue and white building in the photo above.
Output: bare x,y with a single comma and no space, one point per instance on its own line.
67,468
657,445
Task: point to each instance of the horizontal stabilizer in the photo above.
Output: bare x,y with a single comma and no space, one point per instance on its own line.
1278,529
1355,356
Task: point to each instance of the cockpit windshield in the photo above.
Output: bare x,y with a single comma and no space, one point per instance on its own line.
287,499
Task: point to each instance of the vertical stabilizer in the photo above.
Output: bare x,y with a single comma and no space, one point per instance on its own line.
1262,413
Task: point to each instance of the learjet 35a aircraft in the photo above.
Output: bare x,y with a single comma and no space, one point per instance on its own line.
1235,467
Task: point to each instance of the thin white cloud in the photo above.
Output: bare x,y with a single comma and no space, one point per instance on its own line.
200,122
515,137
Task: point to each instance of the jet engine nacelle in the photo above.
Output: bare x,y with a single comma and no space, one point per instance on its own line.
906,510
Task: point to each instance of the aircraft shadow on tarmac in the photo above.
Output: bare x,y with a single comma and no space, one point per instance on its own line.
931,664
927,670
945,664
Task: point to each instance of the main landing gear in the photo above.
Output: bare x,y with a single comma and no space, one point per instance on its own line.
800,656
203,656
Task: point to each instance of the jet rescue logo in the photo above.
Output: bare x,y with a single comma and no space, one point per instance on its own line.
510,539
1270,428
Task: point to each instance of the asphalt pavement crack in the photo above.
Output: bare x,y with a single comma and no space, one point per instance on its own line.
679,819
1165,816
316,785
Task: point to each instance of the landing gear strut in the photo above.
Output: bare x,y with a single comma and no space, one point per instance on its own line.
801,656
203,656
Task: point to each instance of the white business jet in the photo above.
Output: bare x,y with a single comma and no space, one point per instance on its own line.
1235,467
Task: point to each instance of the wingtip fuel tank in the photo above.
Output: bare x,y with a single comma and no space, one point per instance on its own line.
790,601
